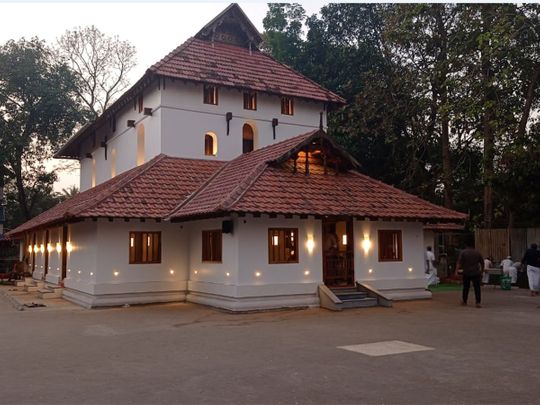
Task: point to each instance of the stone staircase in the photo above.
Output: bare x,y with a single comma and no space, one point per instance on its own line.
352,298
361,295
43,290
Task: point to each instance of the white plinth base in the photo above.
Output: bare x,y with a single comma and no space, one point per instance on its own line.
408,294
109,300
254,303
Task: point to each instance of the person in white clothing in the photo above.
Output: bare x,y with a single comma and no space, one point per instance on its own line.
431,270
532,260
508,268
485,275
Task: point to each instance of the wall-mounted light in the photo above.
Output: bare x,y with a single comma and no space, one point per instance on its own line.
79,272
306,273
310,244
195,272
42,248
91,273
36,248
344,239
59,247
366,244
410,269
257,274
275,240
171,271
69,247
50,248
370,271
228,274
30,249
116,273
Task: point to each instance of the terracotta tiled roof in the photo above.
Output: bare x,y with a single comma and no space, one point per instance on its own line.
151,190
235,66
258,182
253,183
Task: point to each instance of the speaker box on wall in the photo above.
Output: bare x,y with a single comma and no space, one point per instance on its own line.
227,226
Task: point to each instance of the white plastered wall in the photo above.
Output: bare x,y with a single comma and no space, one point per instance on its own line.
253,283
185,120
54,271
407,274
99,272
124,140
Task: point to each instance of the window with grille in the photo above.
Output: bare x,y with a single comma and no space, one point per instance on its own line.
211,246
144,247
210,95
282,245
287,106
250,100
390,246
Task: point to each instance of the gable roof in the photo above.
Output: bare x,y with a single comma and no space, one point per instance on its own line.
151,190
258,182
202,60
234,66
232,14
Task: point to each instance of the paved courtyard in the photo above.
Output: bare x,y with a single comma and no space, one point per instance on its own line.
184,353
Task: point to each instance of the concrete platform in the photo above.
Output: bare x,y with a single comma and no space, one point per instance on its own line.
186,353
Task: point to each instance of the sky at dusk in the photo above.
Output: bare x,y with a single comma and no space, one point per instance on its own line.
155,28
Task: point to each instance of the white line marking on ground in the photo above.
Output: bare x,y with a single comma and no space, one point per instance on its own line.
385,348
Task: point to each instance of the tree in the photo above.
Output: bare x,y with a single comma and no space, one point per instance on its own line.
69,192
100,63
38,111
283,31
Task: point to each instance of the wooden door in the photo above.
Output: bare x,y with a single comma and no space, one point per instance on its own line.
338,253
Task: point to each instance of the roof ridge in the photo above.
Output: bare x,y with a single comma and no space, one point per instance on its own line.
197,191
170,55
243,186
103,195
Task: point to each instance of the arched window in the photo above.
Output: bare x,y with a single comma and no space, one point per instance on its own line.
140,145
247,138
210,144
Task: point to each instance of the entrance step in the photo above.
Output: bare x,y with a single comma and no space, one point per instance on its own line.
352,298
337,299
45,293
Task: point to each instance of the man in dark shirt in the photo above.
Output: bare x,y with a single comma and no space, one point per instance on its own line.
471,264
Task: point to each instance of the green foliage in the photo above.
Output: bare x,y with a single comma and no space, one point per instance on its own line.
38,111
442,99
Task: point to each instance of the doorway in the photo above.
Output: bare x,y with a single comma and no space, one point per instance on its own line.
338,252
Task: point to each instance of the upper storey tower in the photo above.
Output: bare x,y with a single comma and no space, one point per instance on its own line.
216,96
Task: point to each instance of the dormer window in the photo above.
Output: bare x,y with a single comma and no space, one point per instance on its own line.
210,95
250,100
287,106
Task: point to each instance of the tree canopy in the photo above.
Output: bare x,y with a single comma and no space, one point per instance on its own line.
38,111
443,99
